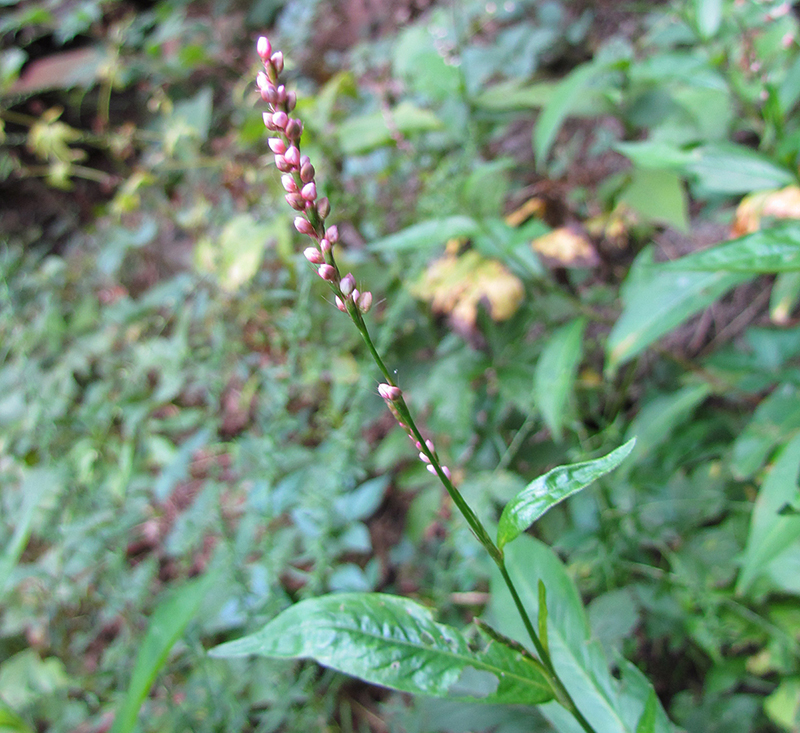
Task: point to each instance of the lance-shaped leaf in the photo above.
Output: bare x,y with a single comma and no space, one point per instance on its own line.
548,490
394,642
768,250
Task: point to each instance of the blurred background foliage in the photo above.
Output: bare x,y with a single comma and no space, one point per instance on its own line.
190,436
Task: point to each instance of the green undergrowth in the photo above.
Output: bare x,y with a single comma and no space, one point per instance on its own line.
191,438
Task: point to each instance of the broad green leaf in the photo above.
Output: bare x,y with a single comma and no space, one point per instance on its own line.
657,196
359,135
775,420
510,95
726,168
611,706
657,299
558,108
768,250
647,723
770,531
167,623
783,705
657,154
555,373
426,235
392,641
548,490
709,16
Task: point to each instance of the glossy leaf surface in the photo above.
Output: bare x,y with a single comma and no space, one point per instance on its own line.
394,642
548,490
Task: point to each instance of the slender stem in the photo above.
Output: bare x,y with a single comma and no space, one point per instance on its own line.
560,691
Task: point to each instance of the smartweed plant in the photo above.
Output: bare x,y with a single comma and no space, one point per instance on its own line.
395,642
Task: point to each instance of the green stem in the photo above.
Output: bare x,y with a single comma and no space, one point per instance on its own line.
560,691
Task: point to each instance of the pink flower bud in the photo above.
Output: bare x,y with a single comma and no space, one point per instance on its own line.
288,183
325,245
424,458
340,305
280,119
323,207
280,94
292,156
291,101
268,123
348,284
295,200
332,233
431,469
327,272
277,61
303,225
306,172
314,256
294,129
263,48
416,443
429,444
354,295
276,145
389,392
282,164
364,302
309,191
270,94
261,80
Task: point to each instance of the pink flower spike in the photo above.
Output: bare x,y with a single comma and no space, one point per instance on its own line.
292,156
277,61
288,183
309,191
327,272
340,305
276,145
389,392
314,256
263,48
280,119
332,234
303,225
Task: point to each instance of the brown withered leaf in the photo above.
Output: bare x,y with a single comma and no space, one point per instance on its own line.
532,207
783,203
63,70
566,247
456,284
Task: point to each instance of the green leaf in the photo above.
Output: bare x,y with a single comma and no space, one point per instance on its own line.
726,168
647,723
10,722
558,108
548,490
38,488
775,420
657,196
392,641
784,296
709,17
555,373
656,154
657,299
772,532
426,235
167,623
768,250
359,135
611,706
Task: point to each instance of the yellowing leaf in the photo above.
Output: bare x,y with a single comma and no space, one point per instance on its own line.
532,207
456,284
566,247
783,203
